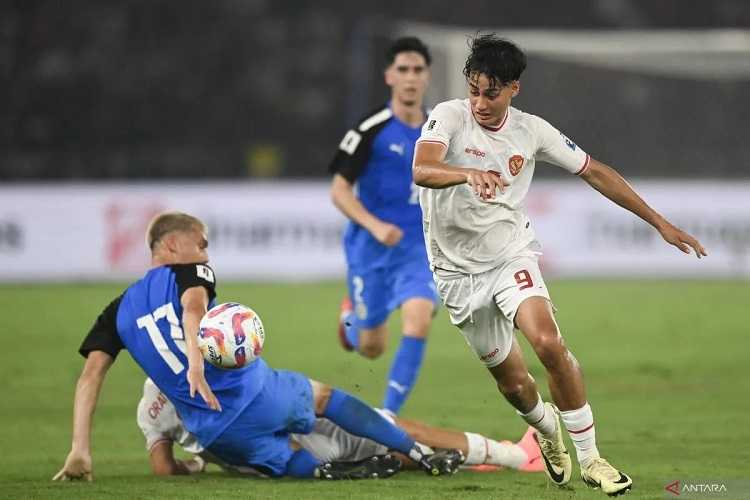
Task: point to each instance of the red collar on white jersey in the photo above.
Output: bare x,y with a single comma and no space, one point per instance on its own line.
493,129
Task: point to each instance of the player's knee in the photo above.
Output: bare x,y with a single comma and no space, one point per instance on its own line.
549,347
514,386
418,329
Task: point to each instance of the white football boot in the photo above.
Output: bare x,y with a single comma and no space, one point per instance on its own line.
600,474
557,463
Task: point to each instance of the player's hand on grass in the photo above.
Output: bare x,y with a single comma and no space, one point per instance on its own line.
77,467
485,184
198,384
388,234
681,239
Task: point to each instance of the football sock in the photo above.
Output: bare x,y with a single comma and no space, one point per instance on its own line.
541,418
351,330
404,372
484,450
302,464
477,449
580,425
355,417
506,454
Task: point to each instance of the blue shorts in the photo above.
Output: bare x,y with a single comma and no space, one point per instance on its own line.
376,292
259,437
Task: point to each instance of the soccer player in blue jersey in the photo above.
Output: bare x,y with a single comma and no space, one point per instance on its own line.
242,416
383,243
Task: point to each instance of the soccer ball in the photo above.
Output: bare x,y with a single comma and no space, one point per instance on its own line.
231,336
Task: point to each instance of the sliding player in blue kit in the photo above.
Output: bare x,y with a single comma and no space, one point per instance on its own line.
243,416
384,245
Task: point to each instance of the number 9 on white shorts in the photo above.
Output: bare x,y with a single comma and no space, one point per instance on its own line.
483,306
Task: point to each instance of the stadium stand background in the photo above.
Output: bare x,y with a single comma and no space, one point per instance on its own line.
253,88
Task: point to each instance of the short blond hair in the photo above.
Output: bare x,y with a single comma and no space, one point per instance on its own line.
167,222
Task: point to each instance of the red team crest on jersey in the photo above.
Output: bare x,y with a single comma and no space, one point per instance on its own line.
515,164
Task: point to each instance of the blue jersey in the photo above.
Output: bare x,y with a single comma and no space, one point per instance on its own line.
147,320
377,156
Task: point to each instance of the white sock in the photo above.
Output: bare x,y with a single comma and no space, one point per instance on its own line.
483,450
580,425
506,454
477,449
541,418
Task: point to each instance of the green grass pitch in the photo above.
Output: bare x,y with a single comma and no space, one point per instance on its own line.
666,365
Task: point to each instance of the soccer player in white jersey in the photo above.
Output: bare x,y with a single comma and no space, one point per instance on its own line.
476,157
162,428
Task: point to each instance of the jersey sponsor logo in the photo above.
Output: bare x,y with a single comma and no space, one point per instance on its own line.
475,152
350,142
515,164
397,148
568,142
204,272
490,355
431,126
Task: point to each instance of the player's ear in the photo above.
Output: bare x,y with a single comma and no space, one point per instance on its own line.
515,86
170,242
388,75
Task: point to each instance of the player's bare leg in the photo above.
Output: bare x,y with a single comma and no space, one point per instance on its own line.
535,319
519,388
416,317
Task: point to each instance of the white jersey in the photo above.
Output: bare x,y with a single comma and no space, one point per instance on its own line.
328,442
159,421
464,233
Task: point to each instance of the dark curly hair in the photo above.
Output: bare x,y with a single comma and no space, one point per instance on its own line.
500,60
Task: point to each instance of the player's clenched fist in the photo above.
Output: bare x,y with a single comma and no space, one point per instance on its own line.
77,466
485,184
388,234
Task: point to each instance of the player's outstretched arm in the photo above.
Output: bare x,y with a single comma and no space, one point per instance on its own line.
342,195
430,171
78,463
194,305
612,185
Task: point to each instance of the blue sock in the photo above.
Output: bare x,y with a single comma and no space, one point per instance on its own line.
352,331
404,371
355,417
302,464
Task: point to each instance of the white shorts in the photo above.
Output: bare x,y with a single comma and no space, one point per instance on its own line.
483,306
330,443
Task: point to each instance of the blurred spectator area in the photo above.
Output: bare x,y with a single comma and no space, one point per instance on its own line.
156,88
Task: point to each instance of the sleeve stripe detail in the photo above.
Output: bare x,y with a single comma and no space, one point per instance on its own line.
433,141
585,165
375,119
